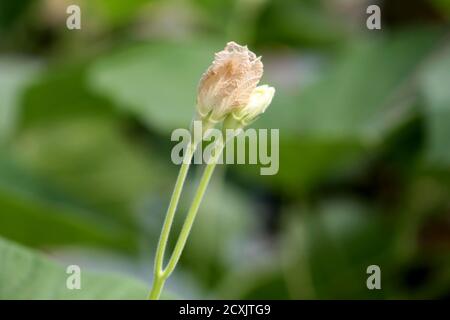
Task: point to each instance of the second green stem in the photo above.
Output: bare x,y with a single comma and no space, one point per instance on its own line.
160,274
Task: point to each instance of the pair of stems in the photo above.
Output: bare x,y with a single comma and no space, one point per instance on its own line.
161,274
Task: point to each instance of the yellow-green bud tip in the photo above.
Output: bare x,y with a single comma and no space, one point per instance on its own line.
260,99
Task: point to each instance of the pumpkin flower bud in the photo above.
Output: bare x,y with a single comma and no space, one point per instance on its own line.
259,100
228,82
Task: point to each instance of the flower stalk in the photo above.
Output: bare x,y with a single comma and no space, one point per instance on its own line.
159,275
227,94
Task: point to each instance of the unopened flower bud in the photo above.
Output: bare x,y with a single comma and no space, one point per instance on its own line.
260,99
228,82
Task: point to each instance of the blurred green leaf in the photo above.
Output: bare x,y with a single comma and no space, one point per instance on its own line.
73,143
306,22
25,274
156,82
219,13
15,75
327,251
329,127
304,163
117,12
328,247
265,281
91,160
10,11
357,98
225,221
80,143
443,6
435,86
60,93
36,214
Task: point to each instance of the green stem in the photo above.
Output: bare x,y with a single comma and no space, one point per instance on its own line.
158,280
158,284
160,276
190,219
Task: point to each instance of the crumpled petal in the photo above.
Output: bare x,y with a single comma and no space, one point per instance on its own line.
228,82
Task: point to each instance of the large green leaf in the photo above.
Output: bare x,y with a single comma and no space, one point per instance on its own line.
60,93
35,213
92,160
26,274
328,128
157,82
74,168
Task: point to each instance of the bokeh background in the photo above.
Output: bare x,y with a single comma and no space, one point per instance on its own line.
364,119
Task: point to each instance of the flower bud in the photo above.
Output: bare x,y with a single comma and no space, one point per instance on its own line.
228,82
259,100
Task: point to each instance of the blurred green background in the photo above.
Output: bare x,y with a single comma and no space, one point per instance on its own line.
364,119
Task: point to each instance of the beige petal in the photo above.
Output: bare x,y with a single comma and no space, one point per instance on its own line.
229,81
